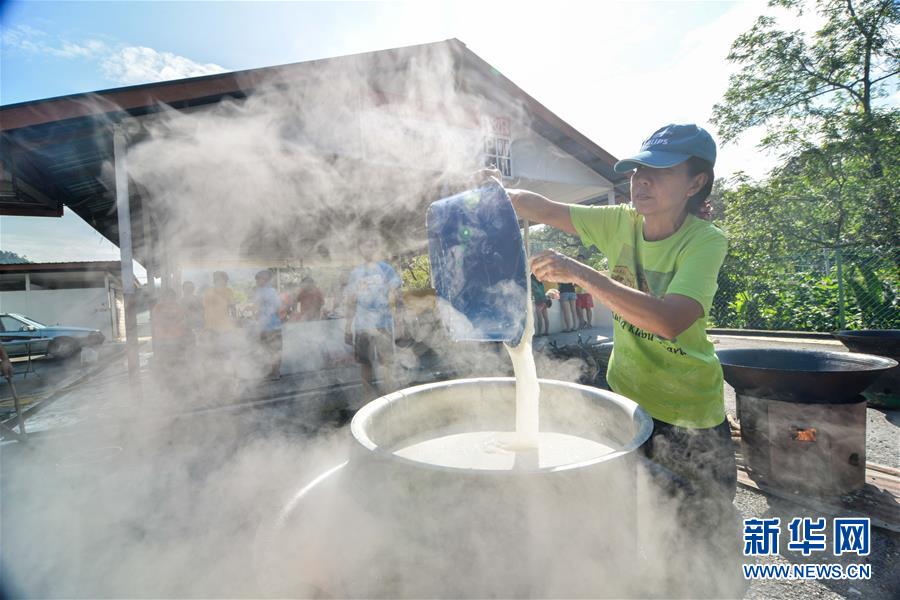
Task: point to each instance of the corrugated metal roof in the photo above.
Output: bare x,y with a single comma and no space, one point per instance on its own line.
61,145
112,266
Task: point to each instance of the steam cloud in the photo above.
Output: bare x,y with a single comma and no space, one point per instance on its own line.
147,504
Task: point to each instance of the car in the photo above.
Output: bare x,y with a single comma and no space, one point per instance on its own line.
57,340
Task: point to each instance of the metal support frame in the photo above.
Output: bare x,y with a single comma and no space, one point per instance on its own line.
839,259
123,207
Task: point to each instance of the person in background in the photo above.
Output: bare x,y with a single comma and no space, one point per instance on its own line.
373,300
218,324
218,305
541,320
288,309
267,304
168,324
584,304
6,368
193,310
311,300
567,297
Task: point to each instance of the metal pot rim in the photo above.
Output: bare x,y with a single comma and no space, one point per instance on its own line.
867,333
867,362
369,411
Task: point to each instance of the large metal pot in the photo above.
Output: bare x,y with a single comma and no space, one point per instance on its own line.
381,525
884,391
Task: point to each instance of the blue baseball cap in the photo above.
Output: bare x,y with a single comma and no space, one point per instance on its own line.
671,145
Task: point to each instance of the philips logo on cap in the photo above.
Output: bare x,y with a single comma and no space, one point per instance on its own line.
660,138
671,145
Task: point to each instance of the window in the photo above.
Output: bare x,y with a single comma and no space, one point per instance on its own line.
497,144
10,324
30,322
12,282
66,281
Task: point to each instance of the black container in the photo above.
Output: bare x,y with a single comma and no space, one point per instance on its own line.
885,390
804,376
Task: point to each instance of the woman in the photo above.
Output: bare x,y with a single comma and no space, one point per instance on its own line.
168,322
664,260
540,307
567,297
219,305
267,302
311,300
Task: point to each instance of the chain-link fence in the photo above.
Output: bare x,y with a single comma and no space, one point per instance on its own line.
828,290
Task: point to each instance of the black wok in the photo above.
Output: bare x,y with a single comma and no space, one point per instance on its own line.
804,376
882,342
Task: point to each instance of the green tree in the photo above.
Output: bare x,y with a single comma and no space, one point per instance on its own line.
834,197
543,237
797,85
415,271
8,257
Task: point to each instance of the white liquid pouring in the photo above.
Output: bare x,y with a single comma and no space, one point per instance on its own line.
528,390
527,447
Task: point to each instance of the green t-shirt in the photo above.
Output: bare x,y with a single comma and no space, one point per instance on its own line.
677,381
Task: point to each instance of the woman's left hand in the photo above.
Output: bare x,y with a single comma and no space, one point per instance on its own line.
551,265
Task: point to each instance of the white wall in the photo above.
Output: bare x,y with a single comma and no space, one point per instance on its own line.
535,157
88,307
600,316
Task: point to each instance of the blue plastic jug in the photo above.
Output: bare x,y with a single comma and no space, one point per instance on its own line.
478,265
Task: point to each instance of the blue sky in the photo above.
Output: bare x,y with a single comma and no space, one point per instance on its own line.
614,70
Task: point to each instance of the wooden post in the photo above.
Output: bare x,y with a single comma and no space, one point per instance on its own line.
123,208
111,305
149,248
611,197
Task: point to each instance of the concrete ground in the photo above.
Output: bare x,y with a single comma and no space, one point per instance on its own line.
46,374
210,467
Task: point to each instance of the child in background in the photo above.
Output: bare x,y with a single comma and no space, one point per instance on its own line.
267,302
540,307
584,303
169,328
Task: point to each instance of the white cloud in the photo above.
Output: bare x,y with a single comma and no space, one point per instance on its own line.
86,50
139,64
35,41
122,65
